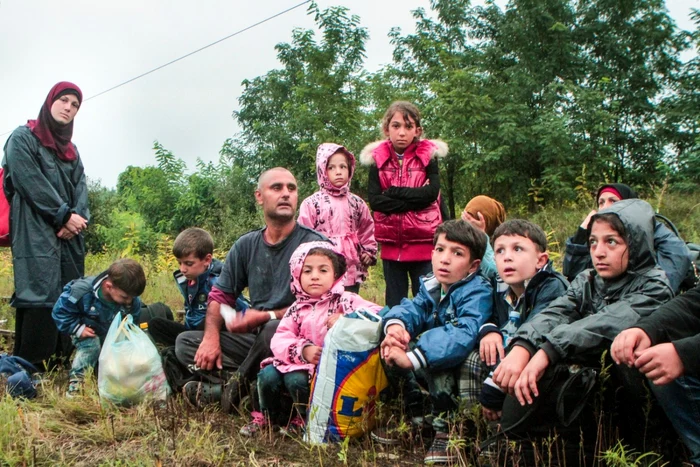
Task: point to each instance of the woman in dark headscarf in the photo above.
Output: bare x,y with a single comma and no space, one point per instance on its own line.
45,186
671,253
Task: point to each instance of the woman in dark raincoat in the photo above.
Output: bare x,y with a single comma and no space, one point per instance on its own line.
45,186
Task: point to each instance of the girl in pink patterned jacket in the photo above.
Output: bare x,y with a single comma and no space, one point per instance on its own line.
340,215
317,282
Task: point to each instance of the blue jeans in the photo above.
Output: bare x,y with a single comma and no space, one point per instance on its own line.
87,353
271,386
680,400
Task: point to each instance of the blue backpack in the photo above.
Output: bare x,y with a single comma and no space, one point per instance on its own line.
18,372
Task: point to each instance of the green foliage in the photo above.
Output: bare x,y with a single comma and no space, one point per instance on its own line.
127,233
102,201
318,96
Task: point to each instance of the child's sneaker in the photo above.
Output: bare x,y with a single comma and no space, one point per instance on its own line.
75,388
442,451
393,434
256,425
295,429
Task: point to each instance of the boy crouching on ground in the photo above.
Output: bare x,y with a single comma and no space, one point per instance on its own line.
87,307
193,248
529,284
435,332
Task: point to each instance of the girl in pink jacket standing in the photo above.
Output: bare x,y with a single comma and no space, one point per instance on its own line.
340,215
404,193
317,282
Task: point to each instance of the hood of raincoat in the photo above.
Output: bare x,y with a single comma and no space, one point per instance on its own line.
296,264
323,153
638,218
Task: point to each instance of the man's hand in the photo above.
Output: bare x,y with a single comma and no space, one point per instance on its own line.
396,336
526,386
87,332
587,220
510,368
479,222
491,348
660,363
398,357
628,345
312,354
491,415
246,322
208,354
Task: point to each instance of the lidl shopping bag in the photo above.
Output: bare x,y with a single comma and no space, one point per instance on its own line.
348,380
130,366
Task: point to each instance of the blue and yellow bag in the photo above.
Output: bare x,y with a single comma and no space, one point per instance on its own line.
348,380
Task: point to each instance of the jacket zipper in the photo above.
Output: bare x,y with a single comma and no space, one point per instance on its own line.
401,165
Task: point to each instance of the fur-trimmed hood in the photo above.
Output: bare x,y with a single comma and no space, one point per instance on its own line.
425,149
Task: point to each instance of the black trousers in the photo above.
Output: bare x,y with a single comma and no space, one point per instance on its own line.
242,353
165,331
396,274
37,339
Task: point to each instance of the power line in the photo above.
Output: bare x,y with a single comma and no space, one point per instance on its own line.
269,18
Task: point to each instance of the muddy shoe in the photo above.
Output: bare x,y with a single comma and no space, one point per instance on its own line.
295,429
75,388
233,392
396,433
257,425
201,394
442,451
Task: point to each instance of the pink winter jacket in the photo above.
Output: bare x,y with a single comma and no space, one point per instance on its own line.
304,323
341,216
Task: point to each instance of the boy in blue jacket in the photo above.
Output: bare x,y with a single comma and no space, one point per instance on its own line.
199,271
435,332
527,283
87,307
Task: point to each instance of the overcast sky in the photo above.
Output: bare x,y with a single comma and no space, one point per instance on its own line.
187,106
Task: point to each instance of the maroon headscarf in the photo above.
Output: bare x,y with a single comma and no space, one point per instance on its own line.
52,134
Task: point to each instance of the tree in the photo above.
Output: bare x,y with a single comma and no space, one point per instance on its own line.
317,96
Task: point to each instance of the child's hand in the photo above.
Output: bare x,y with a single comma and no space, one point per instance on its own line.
332,319
660,363
510,368
587,220
526,386
479,222
398,357
87,332
628,345
491,415
312,354
396,336
366,259
491,348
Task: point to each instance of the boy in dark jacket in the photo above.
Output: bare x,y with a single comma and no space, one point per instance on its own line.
664,347
527,283
87,307
434,333
197,274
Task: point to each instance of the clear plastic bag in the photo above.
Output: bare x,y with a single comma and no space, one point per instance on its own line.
130,369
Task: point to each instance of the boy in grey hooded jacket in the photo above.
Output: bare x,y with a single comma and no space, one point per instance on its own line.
580,325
